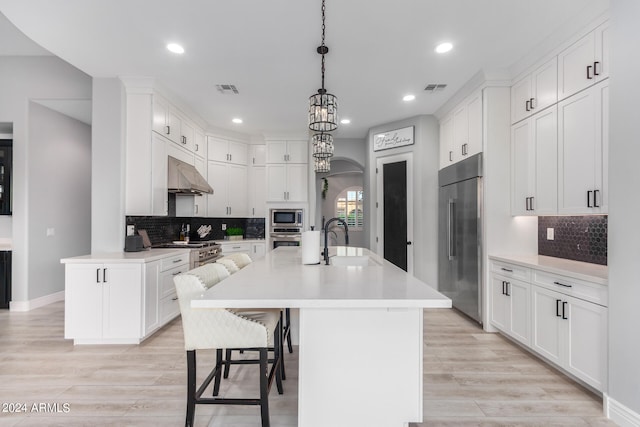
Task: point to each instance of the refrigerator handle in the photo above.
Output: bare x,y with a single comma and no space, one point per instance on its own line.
451,205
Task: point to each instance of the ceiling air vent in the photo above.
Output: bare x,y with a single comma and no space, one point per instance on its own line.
227,89
435,87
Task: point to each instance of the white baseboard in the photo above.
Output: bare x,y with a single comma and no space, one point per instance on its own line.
35,303
620,414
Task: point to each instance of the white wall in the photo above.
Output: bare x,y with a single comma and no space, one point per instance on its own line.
425,198
22,79
59,196
624,205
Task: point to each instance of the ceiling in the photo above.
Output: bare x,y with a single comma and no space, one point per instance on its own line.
379,51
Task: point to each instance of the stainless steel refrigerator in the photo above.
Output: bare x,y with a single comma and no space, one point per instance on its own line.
460,235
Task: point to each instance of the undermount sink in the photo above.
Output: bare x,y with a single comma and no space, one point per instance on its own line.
353,260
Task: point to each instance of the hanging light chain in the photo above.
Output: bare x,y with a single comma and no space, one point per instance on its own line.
322,44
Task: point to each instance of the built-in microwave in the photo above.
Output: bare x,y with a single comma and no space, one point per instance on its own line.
286,218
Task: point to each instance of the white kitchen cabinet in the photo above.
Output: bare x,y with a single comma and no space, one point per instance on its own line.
258,250
287,151
535,91
571,333
151,297
461,131
584,63
583,121
159,185
103,302
534,166
188,133
229,198
222,150
258,155
446,141
179,153
235,246
258,191
199,144
168,307
510,301
165,120
286,182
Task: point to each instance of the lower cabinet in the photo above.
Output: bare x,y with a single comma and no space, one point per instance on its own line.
103,302
258,250
562,319
255,249
120,302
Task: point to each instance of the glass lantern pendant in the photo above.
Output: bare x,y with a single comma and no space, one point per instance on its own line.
322,145
322,164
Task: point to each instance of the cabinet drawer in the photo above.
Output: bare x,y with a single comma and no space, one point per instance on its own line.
174,261
229,248
169,308
581,289
166,285
512,271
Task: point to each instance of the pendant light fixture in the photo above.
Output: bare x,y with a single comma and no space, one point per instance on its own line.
323,114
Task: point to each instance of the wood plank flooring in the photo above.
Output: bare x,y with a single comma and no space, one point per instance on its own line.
471,379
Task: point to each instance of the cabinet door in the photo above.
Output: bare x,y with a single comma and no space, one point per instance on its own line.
237,194
499,313
519,306
545,136
258,250
83,301
151,297
258,155
258,190
217,149
174,124
446,141
587,342
297,151
276,151
460,132
238,153
276,182
296,183
580,151
602,40
573,72
187,135
546,337
474,115
217,178
544,86
122,303
160,114
199,144
520,95
200,202
522,168
159,194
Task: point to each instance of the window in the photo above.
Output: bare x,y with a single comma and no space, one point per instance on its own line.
349,207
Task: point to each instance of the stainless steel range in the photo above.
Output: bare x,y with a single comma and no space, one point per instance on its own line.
200,253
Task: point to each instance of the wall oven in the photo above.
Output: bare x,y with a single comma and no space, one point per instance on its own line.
285,227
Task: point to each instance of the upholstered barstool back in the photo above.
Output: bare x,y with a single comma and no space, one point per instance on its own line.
240,258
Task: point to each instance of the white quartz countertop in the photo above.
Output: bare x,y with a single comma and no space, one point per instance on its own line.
281,280
126,257
230,242
578,270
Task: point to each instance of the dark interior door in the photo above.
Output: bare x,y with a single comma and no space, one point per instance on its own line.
394,176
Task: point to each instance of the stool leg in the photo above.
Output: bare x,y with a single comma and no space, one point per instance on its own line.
277,356
281,333
264,386
287,328
218,368
227,364
191,387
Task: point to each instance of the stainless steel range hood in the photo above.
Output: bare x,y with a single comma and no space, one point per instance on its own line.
183,178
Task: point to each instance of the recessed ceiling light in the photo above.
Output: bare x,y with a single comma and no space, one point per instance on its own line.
237,120
345,121
444,47
409,98
175,48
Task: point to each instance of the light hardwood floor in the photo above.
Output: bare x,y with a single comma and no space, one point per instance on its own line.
471,379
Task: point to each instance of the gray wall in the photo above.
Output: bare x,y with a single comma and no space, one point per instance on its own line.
59,196
624,205
23,79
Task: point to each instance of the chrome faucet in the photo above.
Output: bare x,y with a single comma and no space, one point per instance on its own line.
325,252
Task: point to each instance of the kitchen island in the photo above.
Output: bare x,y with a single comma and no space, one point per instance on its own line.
361,338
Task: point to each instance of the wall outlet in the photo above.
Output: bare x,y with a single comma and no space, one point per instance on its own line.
549,233
130,230
224,227
51,232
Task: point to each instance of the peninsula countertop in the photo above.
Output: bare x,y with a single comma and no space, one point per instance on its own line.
281,280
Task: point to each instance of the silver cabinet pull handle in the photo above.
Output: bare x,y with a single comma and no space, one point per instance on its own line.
506,269
562,284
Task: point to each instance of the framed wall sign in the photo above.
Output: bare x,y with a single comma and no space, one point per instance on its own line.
393,139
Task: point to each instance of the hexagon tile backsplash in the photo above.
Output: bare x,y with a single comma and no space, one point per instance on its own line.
580,238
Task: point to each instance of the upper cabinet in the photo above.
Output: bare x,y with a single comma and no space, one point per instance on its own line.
166,121
461,131
287,151
535,91
222,150
584,63
287,171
